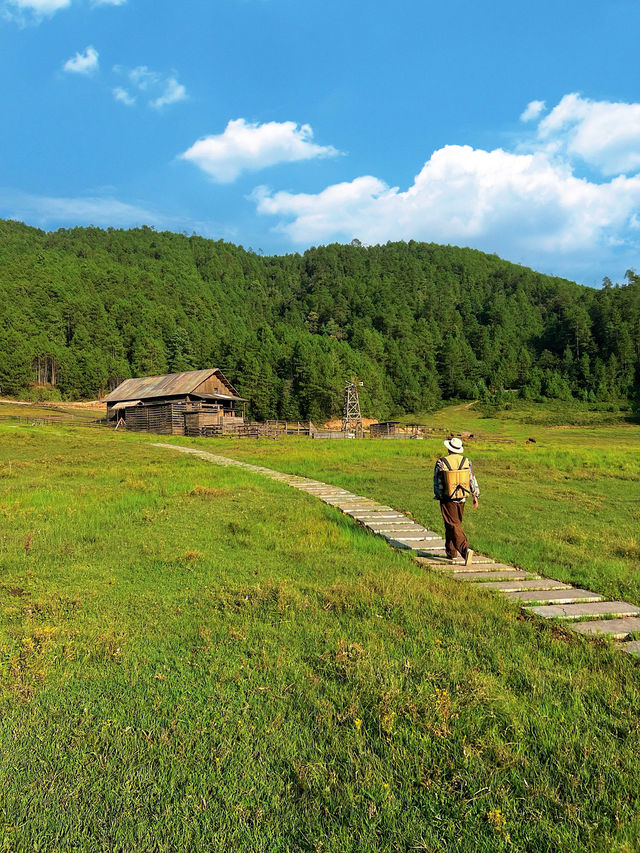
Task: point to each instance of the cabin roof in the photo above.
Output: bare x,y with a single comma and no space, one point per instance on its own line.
169,385
221,397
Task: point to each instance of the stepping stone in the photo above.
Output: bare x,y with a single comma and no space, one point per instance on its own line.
353,501
482,570
342,506
372,509
321,495
613,609
405,540
349,508
567,596
431,549
520,584
487,565
632,648
333,493
492,578
325,492
378,515
619,629
404,532
435,562
373,514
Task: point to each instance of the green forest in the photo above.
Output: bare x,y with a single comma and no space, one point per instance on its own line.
418,323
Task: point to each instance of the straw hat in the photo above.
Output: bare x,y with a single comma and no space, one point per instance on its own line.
454,444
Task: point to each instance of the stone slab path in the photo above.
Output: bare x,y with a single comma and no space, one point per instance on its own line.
580,609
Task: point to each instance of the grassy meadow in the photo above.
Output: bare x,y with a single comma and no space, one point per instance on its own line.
198,658
566,505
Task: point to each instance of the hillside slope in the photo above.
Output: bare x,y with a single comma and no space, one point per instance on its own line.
418,322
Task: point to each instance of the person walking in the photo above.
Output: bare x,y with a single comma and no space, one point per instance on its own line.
453,481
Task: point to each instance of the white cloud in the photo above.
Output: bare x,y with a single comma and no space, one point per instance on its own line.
94,210
173,92
33,11
160,89
604,134
527,205
103,210
533,110
83,63
249,147
123,96
142,78
465,195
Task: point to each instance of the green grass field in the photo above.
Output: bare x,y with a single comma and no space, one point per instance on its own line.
566,506
197,658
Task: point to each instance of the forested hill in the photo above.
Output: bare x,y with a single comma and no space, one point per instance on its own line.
417,322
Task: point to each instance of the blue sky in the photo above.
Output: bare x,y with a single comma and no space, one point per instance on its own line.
281,124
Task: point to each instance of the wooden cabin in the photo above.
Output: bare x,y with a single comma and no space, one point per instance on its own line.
177,404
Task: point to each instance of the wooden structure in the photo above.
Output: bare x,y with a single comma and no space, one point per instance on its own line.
383,429
187,403
393,429
296,428
352,417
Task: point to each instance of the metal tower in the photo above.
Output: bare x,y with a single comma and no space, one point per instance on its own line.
352,419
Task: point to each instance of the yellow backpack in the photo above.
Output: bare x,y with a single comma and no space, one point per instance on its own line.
457,481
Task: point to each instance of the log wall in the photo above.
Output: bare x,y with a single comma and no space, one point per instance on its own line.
163,419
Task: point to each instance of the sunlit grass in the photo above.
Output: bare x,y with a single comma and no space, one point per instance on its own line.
566,505
197,658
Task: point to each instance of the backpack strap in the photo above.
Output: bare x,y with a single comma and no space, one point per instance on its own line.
461,465
446,462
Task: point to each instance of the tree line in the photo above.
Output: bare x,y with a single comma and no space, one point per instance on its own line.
418,323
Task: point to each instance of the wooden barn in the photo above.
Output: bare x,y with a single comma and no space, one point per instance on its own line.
189,403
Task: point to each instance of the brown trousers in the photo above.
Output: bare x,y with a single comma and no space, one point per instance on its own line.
455,540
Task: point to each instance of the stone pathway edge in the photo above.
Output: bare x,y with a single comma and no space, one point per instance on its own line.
581,610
